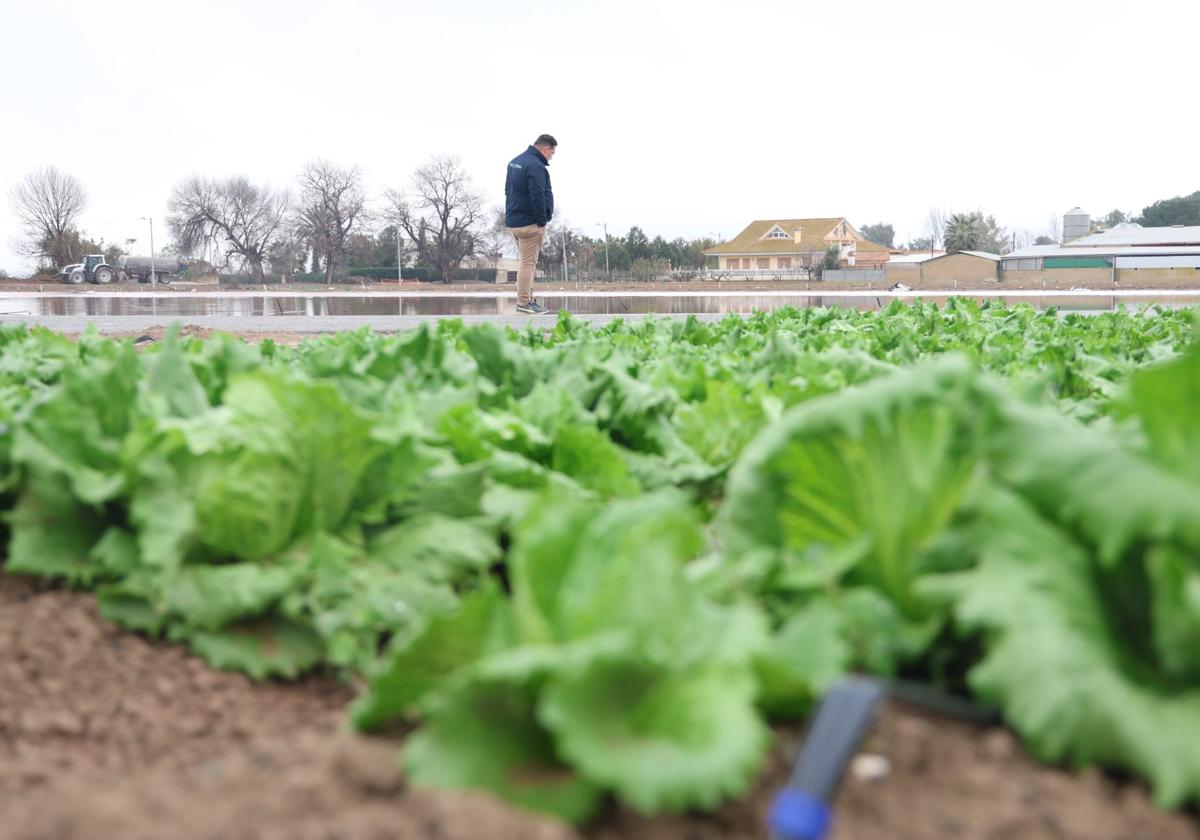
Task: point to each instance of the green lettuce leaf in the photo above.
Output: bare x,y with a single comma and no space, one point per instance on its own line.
863,480
1059,661
265,647
209,597
486,735
53,534
1083,478
1166,399
76,429
806,656
415,666
661,739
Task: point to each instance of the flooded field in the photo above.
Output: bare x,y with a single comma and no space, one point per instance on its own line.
449,305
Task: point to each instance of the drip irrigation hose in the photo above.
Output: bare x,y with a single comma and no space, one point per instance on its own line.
802,810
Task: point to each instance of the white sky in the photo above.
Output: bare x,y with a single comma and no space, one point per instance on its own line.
686,118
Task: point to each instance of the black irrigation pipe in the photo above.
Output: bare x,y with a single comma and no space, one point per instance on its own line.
802,810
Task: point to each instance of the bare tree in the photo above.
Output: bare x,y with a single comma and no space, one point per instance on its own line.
558,236
333,205
1053,229
1047,235
1024,238
445,217
240,219
494,236
48,204
935,227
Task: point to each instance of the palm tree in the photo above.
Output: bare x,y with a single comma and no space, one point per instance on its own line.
965,232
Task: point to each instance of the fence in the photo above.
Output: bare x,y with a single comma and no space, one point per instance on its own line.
678,275
376,273
852,275
385,274
758,274
624,275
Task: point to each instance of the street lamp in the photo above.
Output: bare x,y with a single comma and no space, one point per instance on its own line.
566,271
605,226
153,276
399,257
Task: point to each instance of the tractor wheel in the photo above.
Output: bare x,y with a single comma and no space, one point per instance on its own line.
76,277
103,275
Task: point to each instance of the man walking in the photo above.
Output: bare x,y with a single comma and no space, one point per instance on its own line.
528,208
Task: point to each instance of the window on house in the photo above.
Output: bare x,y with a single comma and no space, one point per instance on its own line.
785,262
777,234
764,262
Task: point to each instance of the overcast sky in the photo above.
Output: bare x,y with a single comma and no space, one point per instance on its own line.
686,118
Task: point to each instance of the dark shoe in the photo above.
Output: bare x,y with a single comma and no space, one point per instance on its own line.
532,308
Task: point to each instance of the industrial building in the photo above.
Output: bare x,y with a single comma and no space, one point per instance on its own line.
1127,254
960,267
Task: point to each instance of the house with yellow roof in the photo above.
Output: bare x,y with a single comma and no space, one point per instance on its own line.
782,244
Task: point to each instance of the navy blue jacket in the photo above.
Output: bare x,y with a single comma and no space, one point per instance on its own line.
528,199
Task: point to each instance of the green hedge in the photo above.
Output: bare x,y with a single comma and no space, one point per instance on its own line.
425,274
245,279
474,275
388,272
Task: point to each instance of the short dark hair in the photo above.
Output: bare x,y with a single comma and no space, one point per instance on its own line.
546,140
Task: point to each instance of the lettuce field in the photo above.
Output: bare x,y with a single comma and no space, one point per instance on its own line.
587,564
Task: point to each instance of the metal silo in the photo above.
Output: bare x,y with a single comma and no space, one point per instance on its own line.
1076,223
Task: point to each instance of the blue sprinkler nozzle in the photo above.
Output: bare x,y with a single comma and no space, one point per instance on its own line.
796,815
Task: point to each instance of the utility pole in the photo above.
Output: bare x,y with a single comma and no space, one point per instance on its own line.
153,275
604,225
566,273
399,258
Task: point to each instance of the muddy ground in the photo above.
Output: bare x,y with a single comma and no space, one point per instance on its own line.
153,335
104,734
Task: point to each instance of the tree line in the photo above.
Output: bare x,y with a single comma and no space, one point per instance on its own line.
328,223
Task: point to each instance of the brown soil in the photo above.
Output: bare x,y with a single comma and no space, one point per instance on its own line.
152,335
77,693
104,734
944,779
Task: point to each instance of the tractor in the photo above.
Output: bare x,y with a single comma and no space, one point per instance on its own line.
96,269
93,269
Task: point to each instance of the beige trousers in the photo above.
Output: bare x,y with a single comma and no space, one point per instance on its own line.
529,243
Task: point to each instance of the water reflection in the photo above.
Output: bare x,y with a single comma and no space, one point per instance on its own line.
318,306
